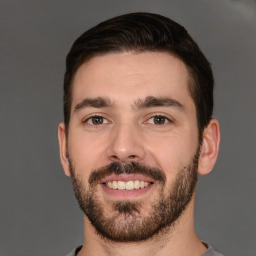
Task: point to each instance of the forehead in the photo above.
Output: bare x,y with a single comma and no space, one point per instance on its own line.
127,76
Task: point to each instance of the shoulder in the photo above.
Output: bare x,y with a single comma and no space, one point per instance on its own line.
210,251
74,251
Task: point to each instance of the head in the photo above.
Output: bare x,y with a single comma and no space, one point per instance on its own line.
142,32
138,127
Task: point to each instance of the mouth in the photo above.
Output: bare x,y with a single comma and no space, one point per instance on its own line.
126,186
129,185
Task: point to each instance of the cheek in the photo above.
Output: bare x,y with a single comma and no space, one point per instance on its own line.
171,153
86,152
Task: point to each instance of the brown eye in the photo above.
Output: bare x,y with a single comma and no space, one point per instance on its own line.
159,120
96,120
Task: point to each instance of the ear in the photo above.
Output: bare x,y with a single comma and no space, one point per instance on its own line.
63,146
209,148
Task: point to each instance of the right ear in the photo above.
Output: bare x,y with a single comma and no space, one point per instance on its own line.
63,146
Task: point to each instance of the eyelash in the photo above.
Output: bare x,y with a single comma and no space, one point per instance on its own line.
104,120
166,120
95,116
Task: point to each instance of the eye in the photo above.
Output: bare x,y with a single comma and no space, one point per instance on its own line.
158,120
96,120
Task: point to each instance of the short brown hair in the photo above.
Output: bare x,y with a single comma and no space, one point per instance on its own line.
141,32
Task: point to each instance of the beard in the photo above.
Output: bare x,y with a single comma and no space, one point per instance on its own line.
128,221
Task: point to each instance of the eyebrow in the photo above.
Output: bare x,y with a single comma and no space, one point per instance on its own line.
151,101
99,102
148,102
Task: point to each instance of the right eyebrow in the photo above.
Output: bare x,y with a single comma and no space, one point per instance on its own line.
99,102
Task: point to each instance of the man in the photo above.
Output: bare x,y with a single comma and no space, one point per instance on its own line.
138,129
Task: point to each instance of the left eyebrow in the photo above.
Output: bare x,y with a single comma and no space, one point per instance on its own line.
151,101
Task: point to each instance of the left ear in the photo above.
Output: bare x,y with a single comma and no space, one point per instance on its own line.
209,147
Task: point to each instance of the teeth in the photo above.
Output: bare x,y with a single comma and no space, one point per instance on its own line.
114,184
121,185
129,185
109,184
136,184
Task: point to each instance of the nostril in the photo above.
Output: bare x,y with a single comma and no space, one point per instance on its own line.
132,156
114,157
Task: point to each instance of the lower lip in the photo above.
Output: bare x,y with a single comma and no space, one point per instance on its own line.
126,194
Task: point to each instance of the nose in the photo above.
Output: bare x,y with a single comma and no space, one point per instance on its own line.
126,144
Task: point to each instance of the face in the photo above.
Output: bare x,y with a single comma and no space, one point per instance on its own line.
132,144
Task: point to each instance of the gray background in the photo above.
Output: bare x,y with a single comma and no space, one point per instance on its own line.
38,213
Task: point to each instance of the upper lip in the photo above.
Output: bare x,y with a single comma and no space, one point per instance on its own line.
127,177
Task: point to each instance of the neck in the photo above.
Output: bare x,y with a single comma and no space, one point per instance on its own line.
176,241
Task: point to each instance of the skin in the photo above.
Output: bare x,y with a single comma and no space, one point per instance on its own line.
130,133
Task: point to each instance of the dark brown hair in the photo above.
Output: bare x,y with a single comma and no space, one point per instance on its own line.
139,32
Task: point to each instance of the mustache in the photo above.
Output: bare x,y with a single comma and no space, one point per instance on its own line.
118,168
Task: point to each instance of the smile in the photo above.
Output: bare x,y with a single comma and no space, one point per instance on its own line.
129,185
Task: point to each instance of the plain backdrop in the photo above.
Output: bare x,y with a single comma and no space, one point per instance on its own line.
39,215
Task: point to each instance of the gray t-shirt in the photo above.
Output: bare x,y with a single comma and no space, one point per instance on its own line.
209,252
